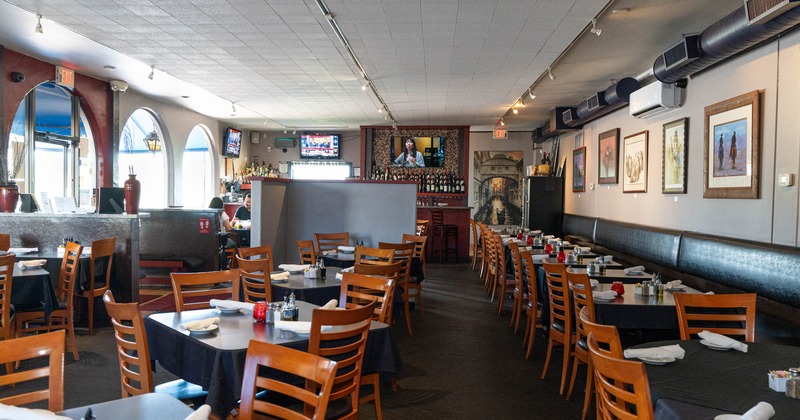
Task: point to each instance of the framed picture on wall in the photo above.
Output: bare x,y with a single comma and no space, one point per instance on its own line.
634,161
608,157
579,169
674,157
732,154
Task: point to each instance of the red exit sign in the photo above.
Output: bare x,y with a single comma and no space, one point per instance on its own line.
500,134
65,77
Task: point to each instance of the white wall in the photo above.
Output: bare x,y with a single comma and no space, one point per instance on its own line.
773,217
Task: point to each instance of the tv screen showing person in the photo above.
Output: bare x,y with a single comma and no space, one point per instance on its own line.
409,155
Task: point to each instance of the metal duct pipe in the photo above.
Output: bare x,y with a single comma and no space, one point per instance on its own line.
726,38
615,94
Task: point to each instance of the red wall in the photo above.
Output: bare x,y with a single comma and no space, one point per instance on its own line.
94,96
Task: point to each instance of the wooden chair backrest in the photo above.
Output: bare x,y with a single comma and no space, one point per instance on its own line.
101,258
403,253
475,232
516,261
489,246
69,274
419,244
132,350
318,372
731,314
5,241
6,279
606,336
331,241
361,289
554,268
367,255
195,290
499,255
560,305
260,252
530,272
437,218
582,297
622,387
344,343
306,250
422,227
31,347
254,275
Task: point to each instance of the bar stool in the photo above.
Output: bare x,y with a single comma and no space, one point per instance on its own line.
443,232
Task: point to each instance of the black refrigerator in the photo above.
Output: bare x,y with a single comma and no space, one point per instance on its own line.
544,201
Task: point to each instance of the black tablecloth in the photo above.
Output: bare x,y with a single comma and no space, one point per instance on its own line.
216,362
343,260
729,381
31,290
139,407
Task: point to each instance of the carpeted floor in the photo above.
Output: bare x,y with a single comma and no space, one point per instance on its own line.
462,362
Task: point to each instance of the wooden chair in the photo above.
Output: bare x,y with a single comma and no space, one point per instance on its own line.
358,290
25,348
422,227
376,256
412,289
345,343
263,252
99,274
443,232
230,258
560,331
331,241
5,241
519,294
607,338
581,289
489,260
195,290
307,253
64,314
502,282
728,314
622,387
532,309
255,282
420,242
133,352
318,372
392,271
6,314
477,248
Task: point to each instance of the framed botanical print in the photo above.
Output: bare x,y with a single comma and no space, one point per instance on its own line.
579,169
732,152
634,158
674,157
608,157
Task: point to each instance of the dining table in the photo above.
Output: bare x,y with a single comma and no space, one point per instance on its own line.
709,382
138,407
215,360
634,311
314,290
32,290
348,259
54,259
617,274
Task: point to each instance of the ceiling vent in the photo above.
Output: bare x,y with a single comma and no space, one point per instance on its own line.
682,53
654,99
537,135
761,11
556,125
285,143
569,116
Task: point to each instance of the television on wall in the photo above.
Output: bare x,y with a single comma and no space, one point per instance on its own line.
232,143
319,146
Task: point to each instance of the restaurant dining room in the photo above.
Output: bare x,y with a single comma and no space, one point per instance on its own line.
559,209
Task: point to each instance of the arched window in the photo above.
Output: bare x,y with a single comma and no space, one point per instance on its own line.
53,153
199,184
140,134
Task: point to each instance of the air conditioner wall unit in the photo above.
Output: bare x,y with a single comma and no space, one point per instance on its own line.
654,99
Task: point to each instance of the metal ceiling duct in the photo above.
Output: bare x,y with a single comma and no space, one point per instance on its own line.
730,36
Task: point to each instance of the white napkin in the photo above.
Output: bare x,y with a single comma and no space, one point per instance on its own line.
565,243
539,257
505,236
674,350
329,252
231,304
332,304
32,263
280,276
594,282
549,236
22,250
293,267
199,324
606,294
350,269
674,284
637,269
299,327
610,258
13,412
201,413
536,232
761,411
720,340
584,249
708,293
344,248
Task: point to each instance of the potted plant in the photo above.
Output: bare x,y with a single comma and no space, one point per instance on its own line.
9,191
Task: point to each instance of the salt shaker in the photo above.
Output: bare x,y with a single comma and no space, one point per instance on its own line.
793,383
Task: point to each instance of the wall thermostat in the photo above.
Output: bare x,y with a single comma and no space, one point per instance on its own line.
786,180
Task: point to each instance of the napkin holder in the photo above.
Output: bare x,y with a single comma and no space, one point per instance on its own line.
312,273
646,289
776,383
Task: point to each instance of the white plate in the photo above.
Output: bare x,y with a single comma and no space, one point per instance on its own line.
681,287
713,346
600,299
205,331
228,310
281,281
657,360
728,417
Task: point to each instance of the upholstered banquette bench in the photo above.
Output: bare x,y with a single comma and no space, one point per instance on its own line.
705,262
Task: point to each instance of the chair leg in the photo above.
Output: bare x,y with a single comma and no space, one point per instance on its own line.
418,300
588,396
72,344
575,363
547,357
565,366
531,337
90,314
374,380
407,311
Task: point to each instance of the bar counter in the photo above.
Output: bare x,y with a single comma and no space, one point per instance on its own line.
453,215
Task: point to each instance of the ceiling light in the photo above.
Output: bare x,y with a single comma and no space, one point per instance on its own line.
394,125
233,109
39,29
380,110
386,117
295,131
284,131
550,74
595,30
502,122
530,93
521,103
265,123
152,72
515,111
621,11
364,87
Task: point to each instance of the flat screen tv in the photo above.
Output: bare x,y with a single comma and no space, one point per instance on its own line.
231,142
319,146
431,148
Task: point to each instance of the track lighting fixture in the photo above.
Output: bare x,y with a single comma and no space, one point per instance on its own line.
530,93
394,125
364,87
550,74
39,29
284,131
152,72
380,110
233,109
294,131
502,121
515,111
521,103
595,30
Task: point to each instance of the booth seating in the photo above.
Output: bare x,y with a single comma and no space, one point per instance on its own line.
172,239
705,262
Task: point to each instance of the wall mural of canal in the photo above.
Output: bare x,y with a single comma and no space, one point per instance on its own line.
498,187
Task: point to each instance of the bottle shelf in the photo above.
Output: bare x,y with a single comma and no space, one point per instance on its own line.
440,194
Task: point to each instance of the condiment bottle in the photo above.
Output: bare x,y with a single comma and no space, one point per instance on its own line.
561,257
321,266
793,383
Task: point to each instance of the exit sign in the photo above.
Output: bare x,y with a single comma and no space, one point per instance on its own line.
500,134
65,77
